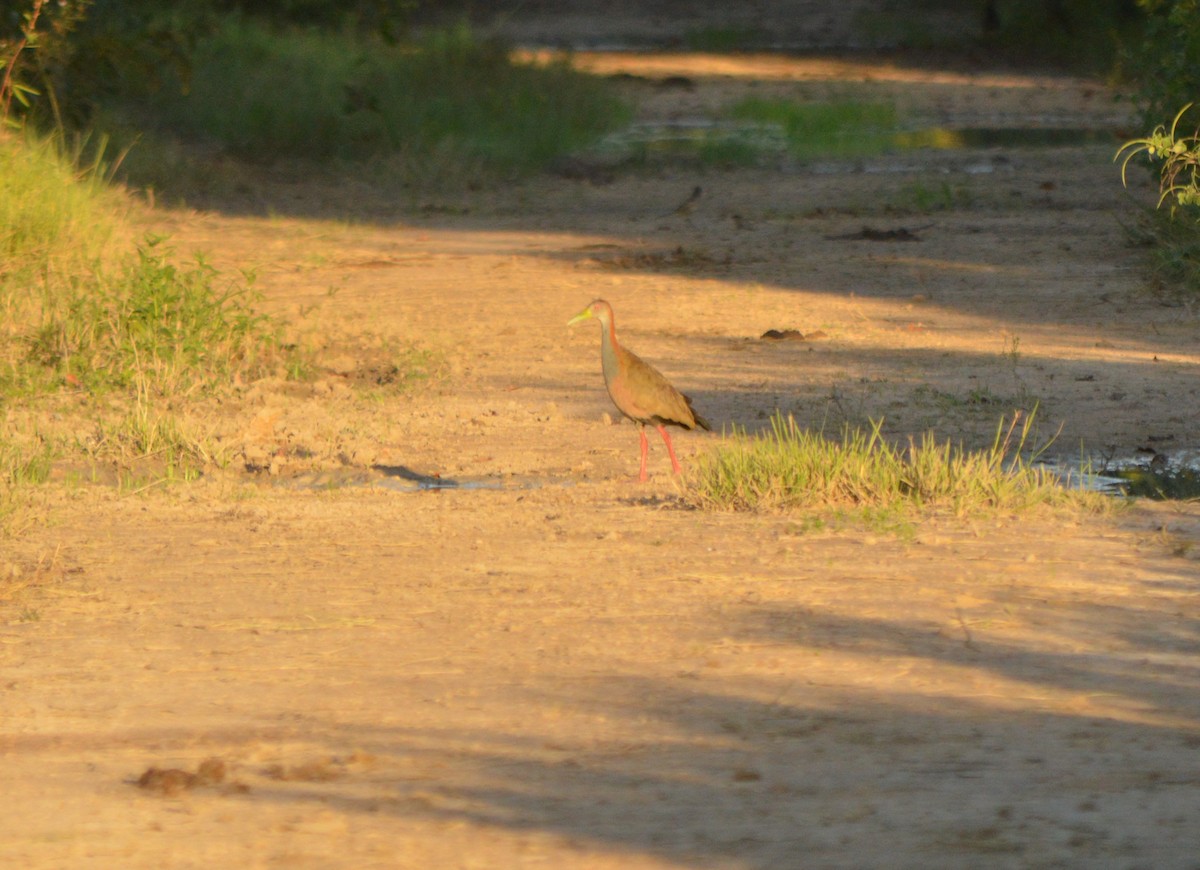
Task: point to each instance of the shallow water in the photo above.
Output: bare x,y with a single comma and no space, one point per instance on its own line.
1159,476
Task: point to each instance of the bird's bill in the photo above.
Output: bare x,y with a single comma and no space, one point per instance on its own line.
582,315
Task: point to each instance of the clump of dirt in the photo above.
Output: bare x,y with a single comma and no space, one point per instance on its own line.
173,781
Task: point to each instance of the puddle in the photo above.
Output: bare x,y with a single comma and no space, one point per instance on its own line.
1181,484
1161,477
400,478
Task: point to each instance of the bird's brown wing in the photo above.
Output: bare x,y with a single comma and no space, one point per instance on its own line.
643,394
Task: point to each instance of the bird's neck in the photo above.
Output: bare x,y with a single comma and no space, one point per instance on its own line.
608,351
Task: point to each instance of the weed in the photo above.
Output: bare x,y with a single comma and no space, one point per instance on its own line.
397,370
1174,235
1173,253
1012,351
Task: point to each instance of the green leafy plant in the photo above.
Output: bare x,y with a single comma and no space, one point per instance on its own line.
1179,159
41,45
1172,236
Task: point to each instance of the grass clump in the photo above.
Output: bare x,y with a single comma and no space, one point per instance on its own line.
1172,254
790,468
54,216
264,93
151,444
176,329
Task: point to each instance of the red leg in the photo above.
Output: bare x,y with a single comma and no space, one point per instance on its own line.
645,450
662,430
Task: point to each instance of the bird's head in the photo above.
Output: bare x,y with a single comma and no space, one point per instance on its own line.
599,309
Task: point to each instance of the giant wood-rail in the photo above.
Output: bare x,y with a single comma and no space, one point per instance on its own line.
639,390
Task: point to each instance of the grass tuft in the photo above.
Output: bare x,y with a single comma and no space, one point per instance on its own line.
790,468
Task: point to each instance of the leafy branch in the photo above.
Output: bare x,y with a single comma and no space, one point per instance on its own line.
10,85
46,37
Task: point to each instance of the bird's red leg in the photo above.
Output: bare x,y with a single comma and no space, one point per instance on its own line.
645,450
662,430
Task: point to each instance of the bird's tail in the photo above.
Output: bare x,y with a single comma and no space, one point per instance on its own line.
700,421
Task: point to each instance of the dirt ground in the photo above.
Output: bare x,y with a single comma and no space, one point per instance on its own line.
570,669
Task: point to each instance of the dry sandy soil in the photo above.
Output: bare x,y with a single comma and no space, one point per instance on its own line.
571,670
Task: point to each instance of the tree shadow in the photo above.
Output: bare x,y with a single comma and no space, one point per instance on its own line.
1071,742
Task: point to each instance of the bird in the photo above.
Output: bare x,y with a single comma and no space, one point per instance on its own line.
638,389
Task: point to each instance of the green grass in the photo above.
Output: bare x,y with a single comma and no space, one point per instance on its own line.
99,345
264,94
54,216
792,469
151,322
843,129
756,130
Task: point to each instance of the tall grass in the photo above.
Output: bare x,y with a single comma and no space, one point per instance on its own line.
54,215
790,468
265,94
